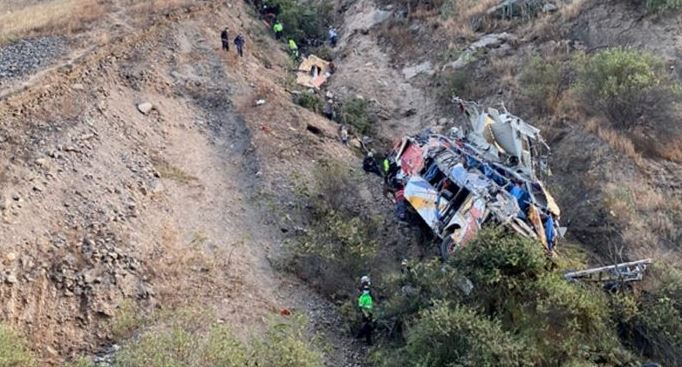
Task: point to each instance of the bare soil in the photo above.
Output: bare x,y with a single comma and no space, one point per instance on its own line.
102,203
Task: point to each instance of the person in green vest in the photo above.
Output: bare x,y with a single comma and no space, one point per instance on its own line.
293,49
278,28
366,306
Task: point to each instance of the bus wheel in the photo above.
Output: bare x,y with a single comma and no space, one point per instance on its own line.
445,246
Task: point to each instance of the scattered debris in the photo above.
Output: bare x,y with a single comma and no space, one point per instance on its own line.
313,72
260,102
612,276
485,173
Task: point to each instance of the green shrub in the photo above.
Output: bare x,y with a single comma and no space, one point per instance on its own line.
496,259
458,336
80,362
221,348
622,83
285,344
355,112
323,52
655,327
304,20
540,82
174,347
126,320
341,238
458,83
575,321
663,5
310,101
340,241
13,349
660,326
515,289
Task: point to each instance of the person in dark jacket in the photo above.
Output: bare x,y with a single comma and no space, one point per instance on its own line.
369,164
225,39
239,41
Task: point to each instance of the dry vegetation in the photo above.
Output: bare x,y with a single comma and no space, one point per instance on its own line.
59,17
52,17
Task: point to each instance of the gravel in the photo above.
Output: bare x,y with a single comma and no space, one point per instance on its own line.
25,56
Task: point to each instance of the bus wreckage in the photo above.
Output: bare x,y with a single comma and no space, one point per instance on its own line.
486,173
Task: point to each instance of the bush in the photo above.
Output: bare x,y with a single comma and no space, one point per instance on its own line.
575,322
304,21
653,325
663,5
541,81
13,349
515,290
81,362
458,83
285,344
355,112
340,241
458,336
324,53
623,84
127,319
310,101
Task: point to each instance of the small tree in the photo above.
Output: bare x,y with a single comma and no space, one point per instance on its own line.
622,83
541,82
355,112
457,336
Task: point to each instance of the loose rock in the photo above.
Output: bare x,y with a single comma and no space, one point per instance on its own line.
145,107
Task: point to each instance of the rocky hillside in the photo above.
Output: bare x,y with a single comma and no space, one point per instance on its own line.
147,175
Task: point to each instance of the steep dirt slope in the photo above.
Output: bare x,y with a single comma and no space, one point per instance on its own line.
102,203
618,203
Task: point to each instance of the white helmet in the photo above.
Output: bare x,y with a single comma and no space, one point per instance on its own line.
365,280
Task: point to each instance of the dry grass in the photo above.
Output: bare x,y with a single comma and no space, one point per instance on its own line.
145,8
672,151
171,172
505,68
616,140
468,12
51,17
572,10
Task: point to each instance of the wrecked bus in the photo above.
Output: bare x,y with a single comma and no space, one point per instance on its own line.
482,174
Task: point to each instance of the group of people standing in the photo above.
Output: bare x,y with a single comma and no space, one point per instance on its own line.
278,29
239,41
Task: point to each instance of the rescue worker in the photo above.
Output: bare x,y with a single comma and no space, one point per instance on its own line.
225,39
328,109
239,41
343,133
366,306
369,164
293,49
390,170
278,28
365,282
333,36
